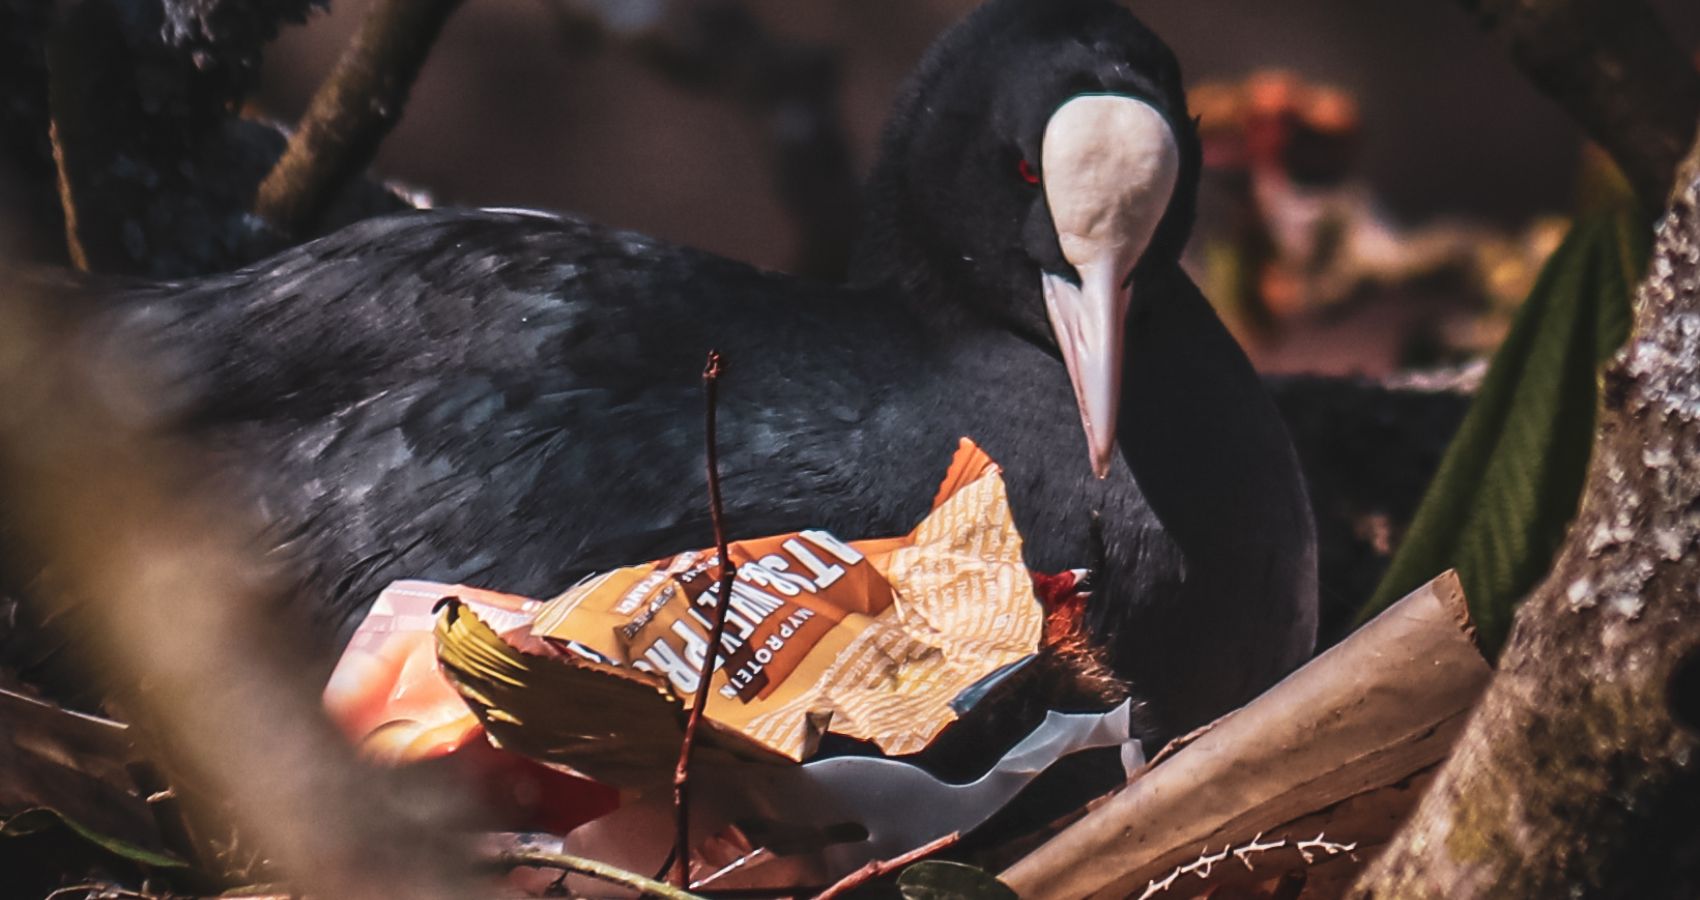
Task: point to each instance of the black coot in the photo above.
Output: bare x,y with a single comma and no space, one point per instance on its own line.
512,399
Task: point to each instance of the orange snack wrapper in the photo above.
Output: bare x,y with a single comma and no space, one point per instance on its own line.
387,694
871,639
885,640
389,697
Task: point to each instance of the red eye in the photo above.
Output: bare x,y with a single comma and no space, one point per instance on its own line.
1027,173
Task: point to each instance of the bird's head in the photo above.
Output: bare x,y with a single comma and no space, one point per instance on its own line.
1041,165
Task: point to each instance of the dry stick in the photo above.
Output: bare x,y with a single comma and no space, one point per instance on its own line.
86,129
880,867
728,571
591,868
352,112
67,201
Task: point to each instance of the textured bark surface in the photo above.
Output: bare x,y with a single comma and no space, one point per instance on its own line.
1577,775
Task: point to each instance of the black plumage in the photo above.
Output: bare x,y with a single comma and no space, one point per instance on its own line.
512,399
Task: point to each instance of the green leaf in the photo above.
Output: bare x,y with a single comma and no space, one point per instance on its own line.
1625,267
31,821
942,880
1509,484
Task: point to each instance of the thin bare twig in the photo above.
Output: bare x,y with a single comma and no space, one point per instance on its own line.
728,571
67,202
1205,863
84,130
590,868
882,867
94,889
352,112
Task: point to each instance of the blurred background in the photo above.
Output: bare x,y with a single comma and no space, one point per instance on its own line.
1383,182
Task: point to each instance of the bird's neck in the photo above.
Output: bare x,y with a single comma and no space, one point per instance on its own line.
940,299
892,253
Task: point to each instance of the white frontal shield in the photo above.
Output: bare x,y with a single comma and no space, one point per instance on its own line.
1109,164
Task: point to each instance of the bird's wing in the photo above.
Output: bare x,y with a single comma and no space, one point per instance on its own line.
511,400
398,298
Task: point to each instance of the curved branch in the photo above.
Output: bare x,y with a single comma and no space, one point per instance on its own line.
590,868
352,112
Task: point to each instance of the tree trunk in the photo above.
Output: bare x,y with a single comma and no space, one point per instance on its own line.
1577,775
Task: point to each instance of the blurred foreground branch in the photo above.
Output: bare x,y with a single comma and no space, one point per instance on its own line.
1576,776
160,580
1614,68
352,111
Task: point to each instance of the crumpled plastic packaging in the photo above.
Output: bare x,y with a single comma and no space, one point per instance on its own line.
885,640
387,693
390,698
829,816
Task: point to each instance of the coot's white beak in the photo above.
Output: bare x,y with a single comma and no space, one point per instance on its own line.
1109,164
